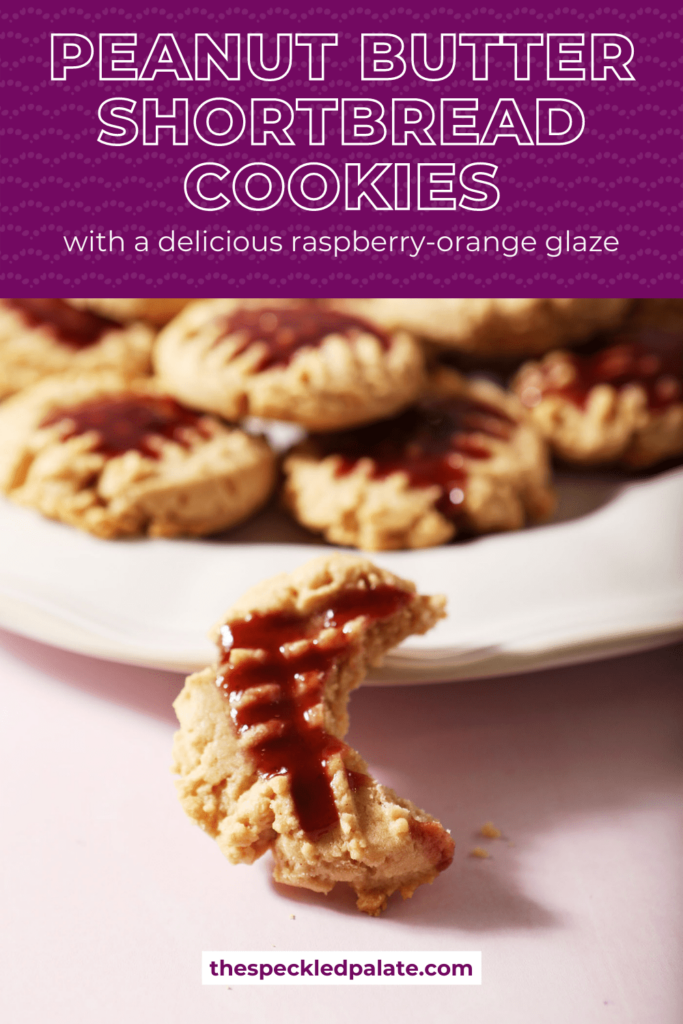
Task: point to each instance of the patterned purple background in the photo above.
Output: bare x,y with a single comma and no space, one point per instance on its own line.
621,178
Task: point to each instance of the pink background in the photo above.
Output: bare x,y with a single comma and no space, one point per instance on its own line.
111,894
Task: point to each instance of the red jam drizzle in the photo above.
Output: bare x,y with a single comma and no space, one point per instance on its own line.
75,327
129,423
436,841
429,443
655,363
291,687
283,331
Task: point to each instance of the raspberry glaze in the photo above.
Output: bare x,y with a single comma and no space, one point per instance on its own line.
77,328
653,361
291,687
129,423
429,443
283,331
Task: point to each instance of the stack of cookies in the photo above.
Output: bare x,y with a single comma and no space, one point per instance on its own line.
127,416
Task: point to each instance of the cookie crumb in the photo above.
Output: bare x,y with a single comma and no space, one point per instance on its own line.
480,852
489,831
293,917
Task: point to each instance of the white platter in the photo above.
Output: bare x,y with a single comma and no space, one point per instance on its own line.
605,577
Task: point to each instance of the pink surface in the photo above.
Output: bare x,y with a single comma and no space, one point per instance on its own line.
110,895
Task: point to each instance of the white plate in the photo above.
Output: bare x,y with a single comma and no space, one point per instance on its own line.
605,577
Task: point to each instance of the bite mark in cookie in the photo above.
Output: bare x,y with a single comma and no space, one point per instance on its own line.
261,754
623,402
293,743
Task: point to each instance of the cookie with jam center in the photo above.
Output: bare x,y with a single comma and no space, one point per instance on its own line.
622,403
260,753
465,459
39,337
288,359
120,458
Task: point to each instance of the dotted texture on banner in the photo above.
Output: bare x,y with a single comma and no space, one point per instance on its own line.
620,179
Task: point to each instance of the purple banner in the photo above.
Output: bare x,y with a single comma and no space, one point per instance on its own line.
301,150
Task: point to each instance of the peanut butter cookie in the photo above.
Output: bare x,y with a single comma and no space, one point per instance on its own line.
43,336
287,360
465,459
260,753
623,403
120,458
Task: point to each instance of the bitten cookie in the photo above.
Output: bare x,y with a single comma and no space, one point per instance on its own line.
260,751
492,327
156,311
119,458
623,403
465,459
287,360
43,336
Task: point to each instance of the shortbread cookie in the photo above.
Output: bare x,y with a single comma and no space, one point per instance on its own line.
465,459
496,326
156,311
287,360
43,336
119,458
623,403
260,752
